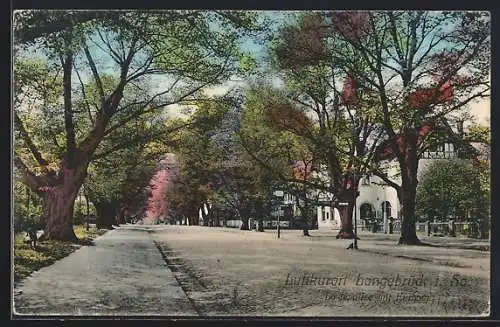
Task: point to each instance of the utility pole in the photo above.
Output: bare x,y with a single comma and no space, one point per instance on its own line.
279,229
277,195
355,245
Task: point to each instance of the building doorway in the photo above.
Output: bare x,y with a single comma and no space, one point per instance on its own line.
366,214
386,209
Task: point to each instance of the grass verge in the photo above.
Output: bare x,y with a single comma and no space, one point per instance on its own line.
28,260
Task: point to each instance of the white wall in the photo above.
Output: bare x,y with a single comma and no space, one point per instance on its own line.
375,195
332,218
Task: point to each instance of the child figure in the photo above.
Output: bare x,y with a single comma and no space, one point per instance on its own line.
31,238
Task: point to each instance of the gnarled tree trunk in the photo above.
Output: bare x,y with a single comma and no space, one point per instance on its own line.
304,212
244,213
60,190
59,206
60,198
408,230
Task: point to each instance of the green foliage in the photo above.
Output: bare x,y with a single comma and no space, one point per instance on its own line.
120,176
479,133
214,166
199,158
191,49
26,212
452,187
259,136
83,234
37,98
247,63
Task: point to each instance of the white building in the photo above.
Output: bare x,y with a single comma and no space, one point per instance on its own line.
376,199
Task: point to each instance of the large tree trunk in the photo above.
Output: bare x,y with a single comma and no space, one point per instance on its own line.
346,228
60,199
305,220
347,197
244,223
122,215
408,193
259,211
244,213
304,212
59,204
408,230
216,219
106,212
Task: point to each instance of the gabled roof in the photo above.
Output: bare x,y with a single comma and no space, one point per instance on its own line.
464,147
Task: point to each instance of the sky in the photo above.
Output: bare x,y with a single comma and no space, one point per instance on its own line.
480,109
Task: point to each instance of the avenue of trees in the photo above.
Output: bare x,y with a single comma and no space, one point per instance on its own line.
337,96
96,80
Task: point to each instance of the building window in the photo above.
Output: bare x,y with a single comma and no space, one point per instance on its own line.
323,214
441,151
366,211
327,215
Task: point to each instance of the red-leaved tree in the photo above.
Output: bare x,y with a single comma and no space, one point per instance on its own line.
159,188
423,66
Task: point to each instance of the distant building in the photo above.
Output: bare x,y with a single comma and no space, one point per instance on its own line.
378,201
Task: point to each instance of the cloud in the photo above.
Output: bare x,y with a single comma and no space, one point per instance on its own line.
177,111
224,88
184,111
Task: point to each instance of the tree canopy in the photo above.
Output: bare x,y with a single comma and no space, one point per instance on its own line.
336,95
451,188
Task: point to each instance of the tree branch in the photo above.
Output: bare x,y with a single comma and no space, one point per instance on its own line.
68,110
93,68
384,177
84,95
29,142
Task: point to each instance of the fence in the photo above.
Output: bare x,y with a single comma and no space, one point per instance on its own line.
469,229
366,225
267,224
461,228
451,228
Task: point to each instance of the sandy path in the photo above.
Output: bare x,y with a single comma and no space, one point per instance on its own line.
122,274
